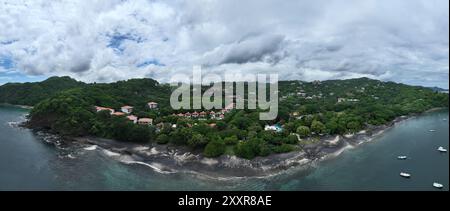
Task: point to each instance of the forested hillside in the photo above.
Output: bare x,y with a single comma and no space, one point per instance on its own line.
32,93
308,110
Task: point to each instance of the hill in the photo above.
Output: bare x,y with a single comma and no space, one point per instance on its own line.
32,93
309,110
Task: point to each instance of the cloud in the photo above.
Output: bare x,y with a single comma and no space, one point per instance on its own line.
255,49
108,40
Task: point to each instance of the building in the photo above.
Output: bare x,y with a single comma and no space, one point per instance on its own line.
202,114
99,108
127,109
118,114
152,105
132,118
188,115
341,100
275,128
145,121
195,115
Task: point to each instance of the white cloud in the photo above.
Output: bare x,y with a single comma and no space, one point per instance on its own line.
107,40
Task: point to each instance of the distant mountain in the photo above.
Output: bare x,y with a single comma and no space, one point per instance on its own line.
32,93
438,89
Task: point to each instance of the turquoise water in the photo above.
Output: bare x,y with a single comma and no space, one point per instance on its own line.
29,163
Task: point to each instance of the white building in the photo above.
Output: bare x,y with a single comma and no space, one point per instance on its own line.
127,109
152,105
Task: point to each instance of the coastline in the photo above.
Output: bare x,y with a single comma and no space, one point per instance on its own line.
17,106
169,159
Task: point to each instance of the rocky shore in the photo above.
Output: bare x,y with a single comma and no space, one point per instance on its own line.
169,159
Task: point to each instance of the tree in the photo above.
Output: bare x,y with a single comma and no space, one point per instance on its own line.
291,139
215,148
197,141
245,150
233,140
317,127
303,131
162,139
221,125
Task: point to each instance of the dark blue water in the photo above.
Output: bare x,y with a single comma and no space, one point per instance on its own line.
27,162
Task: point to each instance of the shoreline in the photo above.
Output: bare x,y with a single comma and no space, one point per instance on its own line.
169,159
17,106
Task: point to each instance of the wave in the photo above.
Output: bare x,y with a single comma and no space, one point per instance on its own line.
111,153
91,148
155,166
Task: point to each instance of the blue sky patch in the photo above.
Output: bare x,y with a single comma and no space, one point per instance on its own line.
116,41
151,62
6,62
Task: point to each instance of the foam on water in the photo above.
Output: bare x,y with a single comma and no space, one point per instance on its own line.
91,148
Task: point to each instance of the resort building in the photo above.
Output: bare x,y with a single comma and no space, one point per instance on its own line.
132,118
127,109
152,105
118,114
145,121
98,109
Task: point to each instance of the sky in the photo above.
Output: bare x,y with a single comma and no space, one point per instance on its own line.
405,41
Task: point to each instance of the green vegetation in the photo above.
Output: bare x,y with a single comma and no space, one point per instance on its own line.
32,93
306,110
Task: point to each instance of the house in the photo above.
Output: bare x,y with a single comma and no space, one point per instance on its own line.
118,114
195,115
132,118
98,109
180,115
221,116
212,115
202,114
340,100
127,109
188,115
152,105
145,121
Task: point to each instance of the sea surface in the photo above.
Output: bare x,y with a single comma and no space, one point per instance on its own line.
31,161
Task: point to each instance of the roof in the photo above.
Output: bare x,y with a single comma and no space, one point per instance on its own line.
127,107
145,120
102,108
118,114
152,103
132,117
